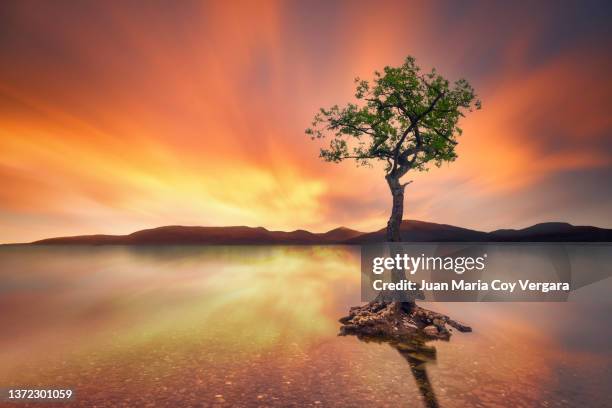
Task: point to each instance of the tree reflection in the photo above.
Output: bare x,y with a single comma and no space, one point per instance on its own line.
417,354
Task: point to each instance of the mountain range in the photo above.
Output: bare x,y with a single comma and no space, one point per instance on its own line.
411,231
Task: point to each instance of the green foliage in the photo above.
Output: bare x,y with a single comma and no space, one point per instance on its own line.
402,116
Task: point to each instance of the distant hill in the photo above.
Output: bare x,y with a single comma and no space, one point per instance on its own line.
411,231
174,235
553,232
421,231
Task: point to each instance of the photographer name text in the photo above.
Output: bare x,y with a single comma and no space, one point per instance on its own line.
463,285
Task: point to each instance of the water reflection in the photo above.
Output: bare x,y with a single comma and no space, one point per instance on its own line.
418,355
256,326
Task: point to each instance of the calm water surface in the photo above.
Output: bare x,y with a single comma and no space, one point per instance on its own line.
257,326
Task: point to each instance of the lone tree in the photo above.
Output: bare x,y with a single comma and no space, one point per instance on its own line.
403,117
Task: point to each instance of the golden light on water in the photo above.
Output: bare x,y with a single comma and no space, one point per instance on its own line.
257,324
255,294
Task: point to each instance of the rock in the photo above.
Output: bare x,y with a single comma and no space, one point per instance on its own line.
459,326
345,319
396,320
431,331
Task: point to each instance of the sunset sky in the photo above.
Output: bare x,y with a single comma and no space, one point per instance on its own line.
122,115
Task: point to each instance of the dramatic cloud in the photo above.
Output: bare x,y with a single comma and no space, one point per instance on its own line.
120,116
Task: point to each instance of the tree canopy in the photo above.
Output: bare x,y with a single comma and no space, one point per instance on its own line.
402,116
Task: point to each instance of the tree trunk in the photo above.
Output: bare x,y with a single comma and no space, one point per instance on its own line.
397,210
393,231
396,317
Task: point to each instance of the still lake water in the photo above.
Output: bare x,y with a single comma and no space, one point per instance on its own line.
257,326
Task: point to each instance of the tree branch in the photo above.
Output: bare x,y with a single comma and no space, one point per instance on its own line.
355,128
413,125
445,136
419,146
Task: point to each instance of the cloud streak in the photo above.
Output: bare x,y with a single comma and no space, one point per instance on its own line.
115,117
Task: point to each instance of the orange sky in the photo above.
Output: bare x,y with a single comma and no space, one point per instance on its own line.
121,116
